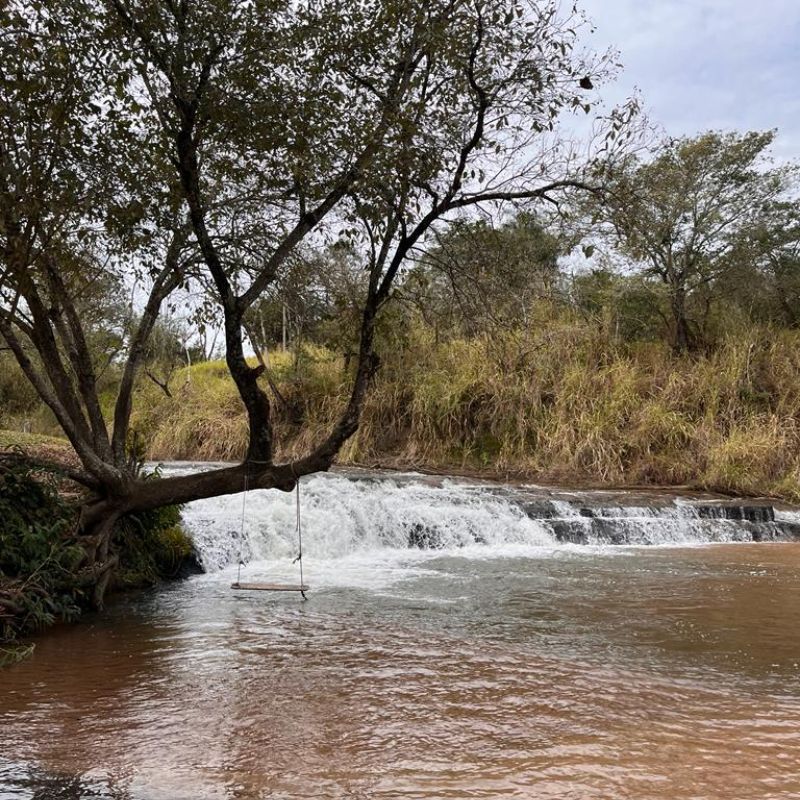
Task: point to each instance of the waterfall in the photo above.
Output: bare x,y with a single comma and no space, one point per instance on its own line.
345,515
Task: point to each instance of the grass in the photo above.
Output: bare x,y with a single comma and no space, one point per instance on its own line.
54,449
562,401
9,439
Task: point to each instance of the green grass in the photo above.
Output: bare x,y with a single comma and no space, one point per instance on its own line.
9,439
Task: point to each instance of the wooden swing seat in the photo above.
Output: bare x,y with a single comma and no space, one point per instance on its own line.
270,587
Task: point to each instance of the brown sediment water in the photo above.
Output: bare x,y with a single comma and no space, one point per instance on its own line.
552,673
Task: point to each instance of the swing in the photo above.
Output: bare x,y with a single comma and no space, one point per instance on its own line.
302,587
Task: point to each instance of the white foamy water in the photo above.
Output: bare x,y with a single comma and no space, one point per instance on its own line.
344,518
395,523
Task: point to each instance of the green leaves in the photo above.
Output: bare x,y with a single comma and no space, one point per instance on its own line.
36,554
692,214
165,155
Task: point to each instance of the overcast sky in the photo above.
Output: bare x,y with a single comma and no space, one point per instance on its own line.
701,64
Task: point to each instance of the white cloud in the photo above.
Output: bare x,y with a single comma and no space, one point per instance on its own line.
703,64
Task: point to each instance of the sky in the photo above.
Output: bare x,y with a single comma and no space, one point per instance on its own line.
707,64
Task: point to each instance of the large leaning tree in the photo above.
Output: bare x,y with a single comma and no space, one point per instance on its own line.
160,145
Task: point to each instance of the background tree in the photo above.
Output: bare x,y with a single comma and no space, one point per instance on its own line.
295,304
630,307
766,281
477,275
169,348
685,215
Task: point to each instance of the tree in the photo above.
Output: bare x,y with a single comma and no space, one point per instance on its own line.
477,276
176,145
168,348
684,215
628,305
773,250
295,305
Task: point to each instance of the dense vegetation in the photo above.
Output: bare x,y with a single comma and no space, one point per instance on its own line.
505,351
531,345
570,402
44,575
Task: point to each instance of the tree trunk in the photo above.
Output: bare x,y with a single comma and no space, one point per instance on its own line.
100,514
682,338
94,534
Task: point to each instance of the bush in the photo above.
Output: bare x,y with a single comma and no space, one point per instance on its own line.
38,555
152,546
41,559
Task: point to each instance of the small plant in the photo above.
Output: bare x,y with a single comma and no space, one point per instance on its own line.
13,654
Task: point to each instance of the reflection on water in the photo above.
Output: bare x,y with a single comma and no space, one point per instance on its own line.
637,673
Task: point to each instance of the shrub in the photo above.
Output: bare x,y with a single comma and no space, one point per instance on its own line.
38,555
40,558
151,546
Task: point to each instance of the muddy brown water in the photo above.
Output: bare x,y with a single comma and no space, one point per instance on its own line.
544,673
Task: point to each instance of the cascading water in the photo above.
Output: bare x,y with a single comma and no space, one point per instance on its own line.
372,514
342,517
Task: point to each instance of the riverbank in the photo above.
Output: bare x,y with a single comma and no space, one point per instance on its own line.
58,451
54,450
563,405
563,402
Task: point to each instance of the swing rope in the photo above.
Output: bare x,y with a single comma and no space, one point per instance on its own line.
299,559
241,532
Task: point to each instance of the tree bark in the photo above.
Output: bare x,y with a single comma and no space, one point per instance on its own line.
682,336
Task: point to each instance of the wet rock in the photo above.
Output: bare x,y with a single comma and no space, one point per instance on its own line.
423,538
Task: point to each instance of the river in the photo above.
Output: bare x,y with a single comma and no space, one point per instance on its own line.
460,640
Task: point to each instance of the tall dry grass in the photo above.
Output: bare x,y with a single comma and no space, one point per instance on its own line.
562,400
